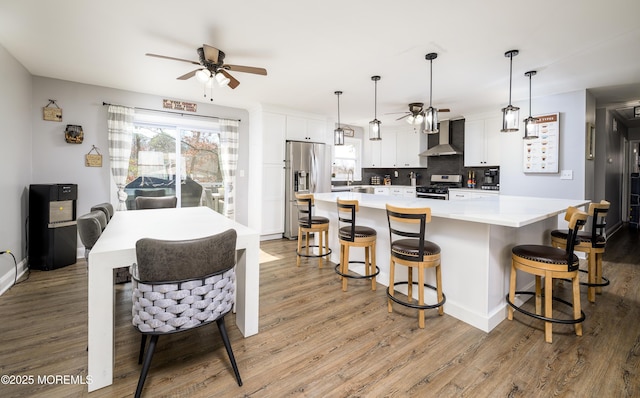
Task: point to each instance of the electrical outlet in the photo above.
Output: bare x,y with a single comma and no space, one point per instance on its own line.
566,175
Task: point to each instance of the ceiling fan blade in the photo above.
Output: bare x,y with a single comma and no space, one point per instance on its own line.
211,53
172,58
188,75
246,69
233,82
444,110
402,117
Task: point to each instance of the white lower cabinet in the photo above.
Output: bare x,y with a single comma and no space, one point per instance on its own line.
460,194
400,191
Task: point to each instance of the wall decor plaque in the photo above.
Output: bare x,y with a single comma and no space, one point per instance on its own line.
540,155
180,105
93,159
50,113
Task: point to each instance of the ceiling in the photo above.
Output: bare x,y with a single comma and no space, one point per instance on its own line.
312,49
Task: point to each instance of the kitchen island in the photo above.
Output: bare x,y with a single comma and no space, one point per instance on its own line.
475,236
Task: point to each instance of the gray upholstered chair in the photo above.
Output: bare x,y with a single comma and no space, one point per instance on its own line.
180,285
107,208
151,202
90,227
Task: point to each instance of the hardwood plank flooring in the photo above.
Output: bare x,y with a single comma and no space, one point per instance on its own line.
317,341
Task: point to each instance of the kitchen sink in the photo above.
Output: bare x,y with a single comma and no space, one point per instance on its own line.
362,189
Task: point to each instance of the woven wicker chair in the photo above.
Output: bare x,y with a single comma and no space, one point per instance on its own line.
181,285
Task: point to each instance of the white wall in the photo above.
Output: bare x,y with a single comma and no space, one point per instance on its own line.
15,163
513,181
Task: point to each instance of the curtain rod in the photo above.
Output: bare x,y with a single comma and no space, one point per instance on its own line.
173,113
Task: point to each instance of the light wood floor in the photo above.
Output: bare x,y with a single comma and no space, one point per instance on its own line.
317,341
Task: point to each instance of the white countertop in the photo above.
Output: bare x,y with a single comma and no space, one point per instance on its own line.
508,211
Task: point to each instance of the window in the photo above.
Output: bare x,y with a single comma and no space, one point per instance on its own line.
163,148
347,160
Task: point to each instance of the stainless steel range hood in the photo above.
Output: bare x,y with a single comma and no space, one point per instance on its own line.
444,147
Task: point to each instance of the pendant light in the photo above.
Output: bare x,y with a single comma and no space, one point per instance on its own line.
338,133
530,123
510,118
431,113
374,125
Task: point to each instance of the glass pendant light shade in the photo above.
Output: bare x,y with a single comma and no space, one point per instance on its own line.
338,136
530,123
374,130
431,120
374,125
510,118
338,133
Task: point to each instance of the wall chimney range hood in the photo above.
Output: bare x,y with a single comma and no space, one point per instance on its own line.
444,147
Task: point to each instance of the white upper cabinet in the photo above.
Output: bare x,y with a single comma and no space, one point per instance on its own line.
304,129
408,148
482,142
396,149
371,153
274,125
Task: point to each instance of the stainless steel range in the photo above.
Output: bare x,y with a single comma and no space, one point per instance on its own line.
439,188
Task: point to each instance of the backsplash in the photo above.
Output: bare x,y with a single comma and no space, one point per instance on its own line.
451,164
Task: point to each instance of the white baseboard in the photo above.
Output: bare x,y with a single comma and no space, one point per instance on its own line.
7,280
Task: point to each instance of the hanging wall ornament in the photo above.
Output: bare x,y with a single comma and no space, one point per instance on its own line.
73,134
50,113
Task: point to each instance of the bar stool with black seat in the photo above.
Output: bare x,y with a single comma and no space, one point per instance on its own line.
350,234
592,243
407,232
308,224
549,262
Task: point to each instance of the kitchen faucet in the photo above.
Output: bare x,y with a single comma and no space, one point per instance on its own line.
349,176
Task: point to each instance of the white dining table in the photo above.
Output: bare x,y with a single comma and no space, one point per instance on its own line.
116,248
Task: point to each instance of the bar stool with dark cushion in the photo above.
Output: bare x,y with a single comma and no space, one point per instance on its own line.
152,202
592,243
407,232
350,235
106,208
308,224
549,262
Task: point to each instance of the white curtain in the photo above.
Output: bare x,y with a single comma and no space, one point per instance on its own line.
120,127
229,163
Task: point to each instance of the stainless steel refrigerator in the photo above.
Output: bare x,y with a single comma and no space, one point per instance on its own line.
308,170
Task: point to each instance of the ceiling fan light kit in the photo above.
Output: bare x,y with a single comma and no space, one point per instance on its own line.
510,117
431,113
374,125
338,133
212,60
530,123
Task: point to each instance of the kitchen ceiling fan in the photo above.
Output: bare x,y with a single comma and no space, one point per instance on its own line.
213,66
416,112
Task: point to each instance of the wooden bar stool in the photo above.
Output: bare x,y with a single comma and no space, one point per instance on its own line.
410,248
353,235
549,262
308,224
592,243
